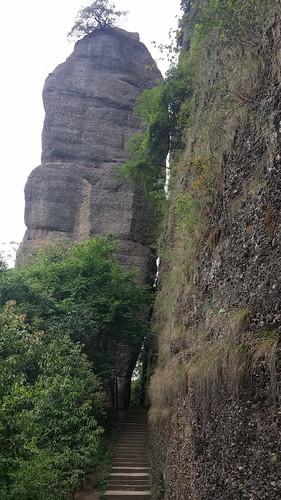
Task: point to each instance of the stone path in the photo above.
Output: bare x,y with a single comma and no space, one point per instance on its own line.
130,476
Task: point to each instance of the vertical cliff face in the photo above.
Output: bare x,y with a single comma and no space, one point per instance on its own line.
76,192
216,390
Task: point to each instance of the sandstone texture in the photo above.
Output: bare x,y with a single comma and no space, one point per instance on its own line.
76,193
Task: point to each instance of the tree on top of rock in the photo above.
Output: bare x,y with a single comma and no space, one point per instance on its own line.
99,15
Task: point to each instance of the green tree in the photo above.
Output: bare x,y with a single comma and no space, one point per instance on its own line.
3,265
49,403
149,149
99,15
86,294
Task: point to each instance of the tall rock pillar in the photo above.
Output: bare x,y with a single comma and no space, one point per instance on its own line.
76,194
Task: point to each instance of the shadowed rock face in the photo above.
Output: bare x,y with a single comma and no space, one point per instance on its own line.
76,193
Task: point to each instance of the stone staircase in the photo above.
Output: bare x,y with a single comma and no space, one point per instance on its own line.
130,476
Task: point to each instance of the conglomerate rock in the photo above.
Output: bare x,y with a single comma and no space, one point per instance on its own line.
76,193
216,392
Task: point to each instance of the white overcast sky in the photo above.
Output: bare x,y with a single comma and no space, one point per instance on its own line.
33,42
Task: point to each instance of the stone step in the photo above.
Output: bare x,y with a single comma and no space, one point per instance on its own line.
124,477
136,462
134,430
123,462
130,495
127,448
134,422
124,470
128,453
131,446
130,476
134,482
132,452
127,458
132,425
129,480
143,460
135,459
132,442
131,458
133,438
128,486
140,436
115,485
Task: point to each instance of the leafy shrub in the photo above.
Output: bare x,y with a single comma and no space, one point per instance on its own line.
49,403
149,148
85,293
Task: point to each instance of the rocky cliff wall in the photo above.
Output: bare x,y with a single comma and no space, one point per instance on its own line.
216,390
76,193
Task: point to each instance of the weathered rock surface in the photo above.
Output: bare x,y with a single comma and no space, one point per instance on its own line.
217,422
89,103
76,193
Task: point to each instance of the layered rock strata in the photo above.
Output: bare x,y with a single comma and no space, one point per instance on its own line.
76,193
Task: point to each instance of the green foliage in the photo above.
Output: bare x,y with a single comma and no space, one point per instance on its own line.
186,211
149,148
192,206
99,15
178,91
49,402
65,302
3,265
86,294
167,109
186,5
235,21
